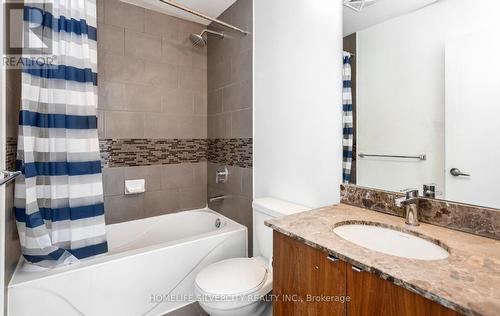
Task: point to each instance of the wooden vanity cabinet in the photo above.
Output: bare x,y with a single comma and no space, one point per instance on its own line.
301,273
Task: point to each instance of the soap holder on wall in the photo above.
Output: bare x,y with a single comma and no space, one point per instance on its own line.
135,186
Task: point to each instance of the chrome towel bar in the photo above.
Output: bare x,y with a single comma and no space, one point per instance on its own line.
7,176
419,157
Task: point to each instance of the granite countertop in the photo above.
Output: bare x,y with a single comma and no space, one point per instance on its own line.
468,281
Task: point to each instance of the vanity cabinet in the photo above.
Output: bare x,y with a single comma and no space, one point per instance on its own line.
301,272
306,281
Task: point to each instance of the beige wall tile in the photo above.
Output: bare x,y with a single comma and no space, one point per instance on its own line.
111,38
143,98
177,52
169,188
111,95
241,124
200,104
200,173
157,125
199,57
12,244
142,45
178,102
232,97
100,11
219,125
161,75
122,14
193,198
151,175
241,66
214,101
124,124
192,126
114,181
162,24
123,208
13,101
101,132
153,84
193,79
219,74
130,97
161,202
177,176
247,182
123,69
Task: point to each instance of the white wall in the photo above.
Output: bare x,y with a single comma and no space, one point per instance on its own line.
401,90
297,100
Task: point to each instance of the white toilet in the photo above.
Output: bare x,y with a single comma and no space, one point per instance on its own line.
235,287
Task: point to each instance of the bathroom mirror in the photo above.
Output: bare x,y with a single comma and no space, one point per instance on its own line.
422,98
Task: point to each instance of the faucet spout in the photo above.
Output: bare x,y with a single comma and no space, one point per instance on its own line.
410,201
217,198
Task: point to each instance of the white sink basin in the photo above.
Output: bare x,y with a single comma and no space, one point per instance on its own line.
391,242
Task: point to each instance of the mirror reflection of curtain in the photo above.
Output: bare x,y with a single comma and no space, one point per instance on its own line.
347,119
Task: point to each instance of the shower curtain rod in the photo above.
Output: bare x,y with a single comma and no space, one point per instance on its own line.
204,16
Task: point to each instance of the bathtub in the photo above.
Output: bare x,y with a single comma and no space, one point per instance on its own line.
149,270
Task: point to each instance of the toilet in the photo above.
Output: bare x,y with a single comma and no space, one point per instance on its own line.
237,286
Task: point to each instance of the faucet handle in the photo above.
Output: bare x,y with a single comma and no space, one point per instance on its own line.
410,193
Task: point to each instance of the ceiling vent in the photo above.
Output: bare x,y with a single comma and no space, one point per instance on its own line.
358,5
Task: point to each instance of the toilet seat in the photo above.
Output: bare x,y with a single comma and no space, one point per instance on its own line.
234,287
233,277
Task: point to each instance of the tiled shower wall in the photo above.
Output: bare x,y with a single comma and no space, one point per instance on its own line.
12,246
152,111
230,115
12,98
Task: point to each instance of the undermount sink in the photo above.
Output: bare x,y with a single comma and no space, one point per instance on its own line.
391,242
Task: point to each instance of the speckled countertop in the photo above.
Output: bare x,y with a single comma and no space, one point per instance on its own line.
468,281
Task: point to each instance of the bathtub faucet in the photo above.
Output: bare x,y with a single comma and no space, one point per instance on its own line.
217,198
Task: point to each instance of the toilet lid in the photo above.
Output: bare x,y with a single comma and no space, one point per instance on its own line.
232,277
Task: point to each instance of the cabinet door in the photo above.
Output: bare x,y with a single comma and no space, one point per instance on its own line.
305,281
372,295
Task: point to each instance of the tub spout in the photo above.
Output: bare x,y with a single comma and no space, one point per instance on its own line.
217,198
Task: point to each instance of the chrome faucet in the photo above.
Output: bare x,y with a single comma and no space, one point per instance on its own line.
217,198
410,201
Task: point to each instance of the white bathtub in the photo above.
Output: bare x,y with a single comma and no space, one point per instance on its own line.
149,270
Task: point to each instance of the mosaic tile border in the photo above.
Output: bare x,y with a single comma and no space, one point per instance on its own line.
148,152
481,221
10,153
233,152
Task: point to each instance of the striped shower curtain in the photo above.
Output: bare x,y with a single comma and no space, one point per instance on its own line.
59,198
347,119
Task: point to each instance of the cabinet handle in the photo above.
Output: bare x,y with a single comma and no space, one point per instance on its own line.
332,258
356,269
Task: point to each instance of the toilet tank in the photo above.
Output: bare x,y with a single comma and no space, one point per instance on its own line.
263,210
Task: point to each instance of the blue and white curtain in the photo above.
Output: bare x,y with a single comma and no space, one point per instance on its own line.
347,119
59,198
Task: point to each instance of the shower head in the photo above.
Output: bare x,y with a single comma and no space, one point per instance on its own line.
200,40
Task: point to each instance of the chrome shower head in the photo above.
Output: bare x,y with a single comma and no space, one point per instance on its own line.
200,40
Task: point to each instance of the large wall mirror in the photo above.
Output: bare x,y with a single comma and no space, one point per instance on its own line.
422,90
